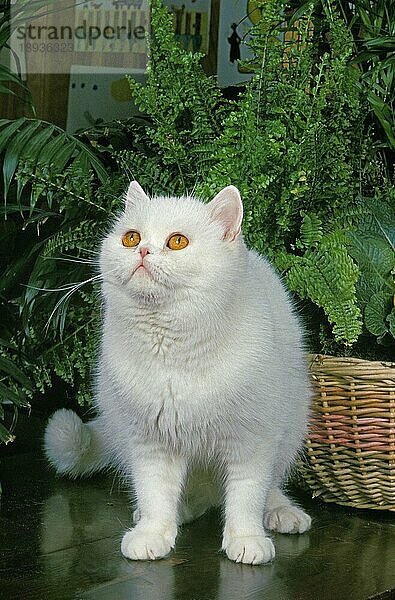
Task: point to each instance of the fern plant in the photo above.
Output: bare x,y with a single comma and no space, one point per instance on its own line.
13,382
374,24
296,140
373,27
59,308
183,105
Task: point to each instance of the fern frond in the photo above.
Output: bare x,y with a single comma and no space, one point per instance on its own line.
177,87
327,275
76,237
310,231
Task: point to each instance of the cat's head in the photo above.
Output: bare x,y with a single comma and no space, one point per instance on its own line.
166,247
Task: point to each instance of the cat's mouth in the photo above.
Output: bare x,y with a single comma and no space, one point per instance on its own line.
142,269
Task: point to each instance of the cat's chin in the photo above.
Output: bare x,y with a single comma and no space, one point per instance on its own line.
145,287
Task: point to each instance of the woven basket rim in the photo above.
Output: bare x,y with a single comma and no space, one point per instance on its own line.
346,365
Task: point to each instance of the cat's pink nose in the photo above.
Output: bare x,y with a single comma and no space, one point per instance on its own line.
143,252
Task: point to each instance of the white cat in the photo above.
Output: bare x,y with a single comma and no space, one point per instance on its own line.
201,370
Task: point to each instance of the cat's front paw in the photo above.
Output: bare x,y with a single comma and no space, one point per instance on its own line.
249,549
143,544
287,519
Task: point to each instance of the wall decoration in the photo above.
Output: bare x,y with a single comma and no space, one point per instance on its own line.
98,94
111,26
191,23
235,19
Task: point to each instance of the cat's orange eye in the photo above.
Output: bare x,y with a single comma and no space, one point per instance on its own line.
130,239
177,242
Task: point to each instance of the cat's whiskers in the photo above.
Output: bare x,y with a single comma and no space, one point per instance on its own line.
74,259
70,289
126,168
88,250
191,194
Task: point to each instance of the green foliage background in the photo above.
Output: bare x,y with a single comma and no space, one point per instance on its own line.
302,141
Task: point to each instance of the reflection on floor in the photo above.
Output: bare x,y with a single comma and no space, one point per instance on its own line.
60,540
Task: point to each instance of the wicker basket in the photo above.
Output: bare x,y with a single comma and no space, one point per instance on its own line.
350,450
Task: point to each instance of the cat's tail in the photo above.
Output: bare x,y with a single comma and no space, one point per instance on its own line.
73,447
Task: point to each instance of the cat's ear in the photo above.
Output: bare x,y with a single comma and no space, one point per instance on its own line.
227,208
135,194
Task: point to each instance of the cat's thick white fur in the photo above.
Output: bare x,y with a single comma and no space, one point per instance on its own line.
201,369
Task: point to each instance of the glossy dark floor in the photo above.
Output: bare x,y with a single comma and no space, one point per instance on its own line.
60,540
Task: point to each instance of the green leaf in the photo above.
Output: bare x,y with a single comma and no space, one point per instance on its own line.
8,128
300,12
7,75
5,435
384,114
17,398
66,153
35,146
382,42
94,162
391,322
14,152
388,231
50,145
14,273
372,252
310,230
22,92
376,312
8,344
9,368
